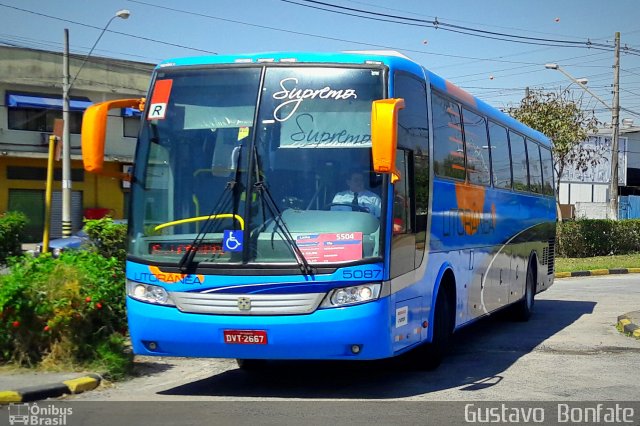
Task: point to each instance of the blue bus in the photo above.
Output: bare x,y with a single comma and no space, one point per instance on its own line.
347,206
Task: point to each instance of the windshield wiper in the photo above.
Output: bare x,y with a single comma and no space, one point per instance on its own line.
267,199
186,262
305,267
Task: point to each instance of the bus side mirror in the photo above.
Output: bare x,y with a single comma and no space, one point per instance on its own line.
94,130
384,135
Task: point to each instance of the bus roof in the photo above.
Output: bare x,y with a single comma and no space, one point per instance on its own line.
394,60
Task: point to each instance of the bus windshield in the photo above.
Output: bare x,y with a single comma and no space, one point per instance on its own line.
258,164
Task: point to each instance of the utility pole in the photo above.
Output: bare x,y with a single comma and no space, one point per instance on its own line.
615,118
66,142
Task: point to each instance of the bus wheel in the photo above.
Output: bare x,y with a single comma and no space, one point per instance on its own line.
524,308
251,364
429,356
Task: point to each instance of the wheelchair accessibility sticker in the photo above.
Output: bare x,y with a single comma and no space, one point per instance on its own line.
232,240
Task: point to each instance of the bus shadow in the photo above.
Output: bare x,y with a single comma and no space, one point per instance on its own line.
480,353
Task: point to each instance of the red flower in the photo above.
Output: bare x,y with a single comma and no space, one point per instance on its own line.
47,328
98,305
16,324
88,299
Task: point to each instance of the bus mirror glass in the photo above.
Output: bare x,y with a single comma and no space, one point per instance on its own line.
384,135
94,129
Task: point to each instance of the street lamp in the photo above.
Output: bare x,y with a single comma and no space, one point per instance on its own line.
122,14
615,116
582,82
66,144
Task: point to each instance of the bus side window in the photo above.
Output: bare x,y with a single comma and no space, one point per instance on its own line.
477,148
402,217
448,145
500,160
547,171
403,241
535,169
519,158
413,135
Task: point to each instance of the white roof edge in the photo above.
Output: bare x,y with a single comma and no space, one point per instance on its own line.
378,52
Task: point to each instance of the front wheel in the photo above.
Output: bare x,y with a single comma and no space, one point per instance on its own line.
429,356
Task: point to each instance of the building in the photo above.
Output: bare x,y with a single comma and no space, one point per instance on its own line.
585,193
31,87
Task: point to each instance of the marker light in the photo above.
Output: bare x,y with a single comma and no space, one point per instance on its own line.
148,293
351,295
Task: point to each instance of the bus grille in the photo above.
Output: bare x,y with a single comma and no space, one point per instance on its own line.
251,304
549,256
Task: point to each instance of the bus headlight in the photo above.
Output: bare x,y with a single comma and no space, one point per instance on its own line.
351,295
148,293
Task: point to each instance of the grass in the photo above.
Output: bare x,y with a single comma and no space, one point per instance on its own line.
566,264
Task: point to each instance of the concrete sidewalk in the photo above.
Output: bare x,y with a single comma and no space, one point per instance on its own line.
630,323
25,386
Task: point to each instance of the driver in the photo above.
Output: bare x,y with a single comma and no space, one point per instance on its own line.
357,198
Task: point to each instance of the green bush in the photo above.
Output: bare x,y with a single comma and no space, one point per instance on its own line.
12,225
68,311
110,238
598,237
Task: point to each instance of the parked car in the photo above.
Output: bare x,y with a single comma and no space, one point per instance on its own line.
79,240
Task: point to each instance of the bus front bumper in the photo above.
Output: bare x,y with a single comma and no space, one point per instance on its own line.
325,334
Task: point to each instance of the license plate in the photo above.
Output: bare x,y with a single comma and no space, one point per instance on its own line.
245,337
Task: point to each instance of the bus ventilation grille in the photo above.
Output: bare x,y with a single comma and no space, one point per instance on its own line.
549,256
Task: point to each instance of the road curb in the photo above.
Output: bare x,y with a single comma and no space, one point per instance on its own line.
628,325
52,390
596,272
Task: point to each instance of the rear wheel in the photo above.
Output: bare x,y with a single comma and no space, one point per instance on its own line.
524,308
429,356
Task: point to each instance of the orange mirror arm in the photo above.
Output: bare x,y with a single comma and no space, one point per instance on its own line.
384,135
94,129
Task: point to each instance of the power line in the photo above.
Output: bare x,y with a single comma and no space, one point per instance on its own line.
357,42
629,111
27,42
522,67
436,24
454,20
109,31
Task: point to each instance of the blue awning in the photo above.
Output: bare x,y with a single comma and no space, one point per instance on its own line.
15,100
131,112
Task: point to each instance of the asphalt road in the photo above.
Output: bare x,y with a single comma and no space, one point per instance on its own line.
570,350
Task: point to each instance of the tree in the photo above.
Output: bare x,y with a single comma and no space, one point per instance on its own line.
561,118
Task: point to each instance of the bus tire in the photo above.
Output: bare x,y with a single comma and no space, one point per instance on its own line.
429,356
251,364
523,309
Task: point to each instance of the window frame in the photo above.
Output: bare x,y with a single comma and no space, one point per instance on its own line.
537,144
466,150
436,93
506,132
544,180
513,181
75,115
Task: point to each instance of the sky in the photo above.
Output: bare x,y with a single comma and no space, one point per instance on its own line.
497,71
